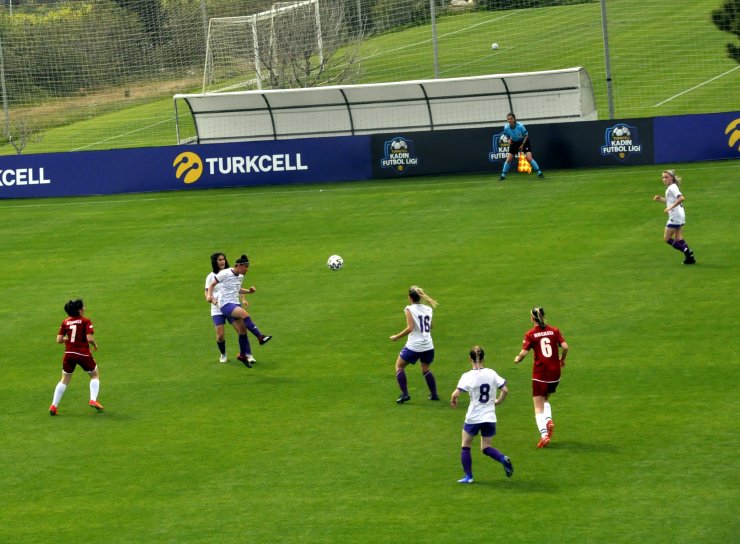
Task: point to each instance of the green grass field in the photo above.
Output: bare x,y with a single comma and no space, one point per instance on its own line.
667,59
309,446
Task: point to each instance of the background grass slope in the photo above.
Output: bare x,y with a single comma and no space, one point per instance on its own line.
664,57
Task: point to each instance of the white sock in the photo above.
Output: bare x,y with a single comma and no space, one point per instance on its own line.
94,388
541,424
548,412
58,392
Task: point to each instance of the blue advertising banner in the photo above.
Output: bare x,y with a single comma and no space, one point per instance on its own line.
586,144
185,167
686,138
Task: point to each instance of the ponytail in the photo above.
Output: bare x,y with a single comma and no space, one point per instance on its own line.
672,173
538,314
477,355
417,294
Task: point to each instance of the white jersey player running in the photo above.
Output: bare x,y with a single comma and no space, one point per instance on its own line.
487,390
419,345
674,199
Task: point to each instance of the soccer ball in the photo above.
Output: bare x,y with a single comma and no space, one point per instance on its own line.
622,131
335,262
398,145
494,46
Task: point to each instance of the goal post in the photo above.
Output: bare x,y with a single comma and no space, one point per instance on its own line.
244,52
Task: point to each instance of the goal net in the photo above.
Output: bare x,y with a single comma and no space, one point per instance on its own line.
256,51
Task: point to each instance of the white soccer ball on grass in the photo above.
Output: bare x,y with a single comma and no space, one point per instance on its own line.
335,262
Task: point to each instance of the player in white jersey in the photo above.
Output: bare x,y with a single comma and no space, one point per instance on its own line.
673,199
419,345
487,390
229,302
218,263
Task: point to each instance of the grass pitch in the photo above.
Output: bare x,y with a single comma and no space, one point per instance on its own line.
309,446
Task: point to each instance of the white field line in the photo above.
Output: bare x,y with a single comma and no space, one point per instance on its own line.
428,40
124,134
695,87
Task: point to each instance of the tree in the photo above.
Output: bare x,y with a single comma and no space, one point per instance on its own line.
727,19
151,13
20,132
291,57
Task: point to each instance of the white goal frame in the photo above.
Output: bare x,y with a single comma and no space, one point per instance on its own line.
278,9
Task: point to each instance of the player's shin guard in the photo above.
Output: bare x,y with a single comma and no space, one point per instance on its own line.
431,383
493,453
94,388
58,392
402,382
244,348
251,327
467,462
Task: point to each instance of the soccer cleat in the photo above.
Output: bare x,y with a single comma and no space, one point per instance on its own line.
403,398
95,404
250,358
550,428
540,175
508,467
433,397
466,480
245,360
53,410
502,178
690,259
264,339
223,358
544,442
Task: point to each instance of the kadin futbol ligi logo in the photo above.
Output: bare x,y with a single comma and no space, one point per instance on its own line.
399,154
500,147
620,141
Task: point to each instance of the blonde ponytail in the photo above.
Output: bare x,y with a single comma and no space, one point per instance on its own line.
417,294
672,173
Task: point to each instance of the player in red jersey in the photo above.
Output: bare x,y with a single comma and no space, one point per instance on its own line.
76,333
545,340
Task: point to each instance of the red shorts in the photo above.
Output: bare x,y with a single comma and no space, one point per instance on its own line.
542,389
71,360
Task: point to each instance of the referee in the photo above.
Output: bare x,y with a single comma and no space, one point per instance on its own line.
519,138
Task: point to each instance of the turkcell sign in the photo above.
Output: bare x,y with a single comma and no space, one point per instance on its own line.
186,167
255,164
23,176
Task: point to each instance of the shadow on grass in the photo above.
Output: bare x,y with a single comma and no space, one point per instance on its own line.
513,485
587,447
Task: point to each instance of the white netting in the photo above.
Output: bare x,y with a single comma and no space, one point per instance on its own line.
96,74
259,50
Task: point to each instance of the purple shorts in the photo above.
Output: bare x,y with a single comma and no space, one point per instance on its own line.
228,308
486,429
412,356
220,319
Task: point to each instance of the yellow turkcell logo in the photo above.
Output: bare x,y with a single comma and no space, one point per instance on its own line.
189,167
733,132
